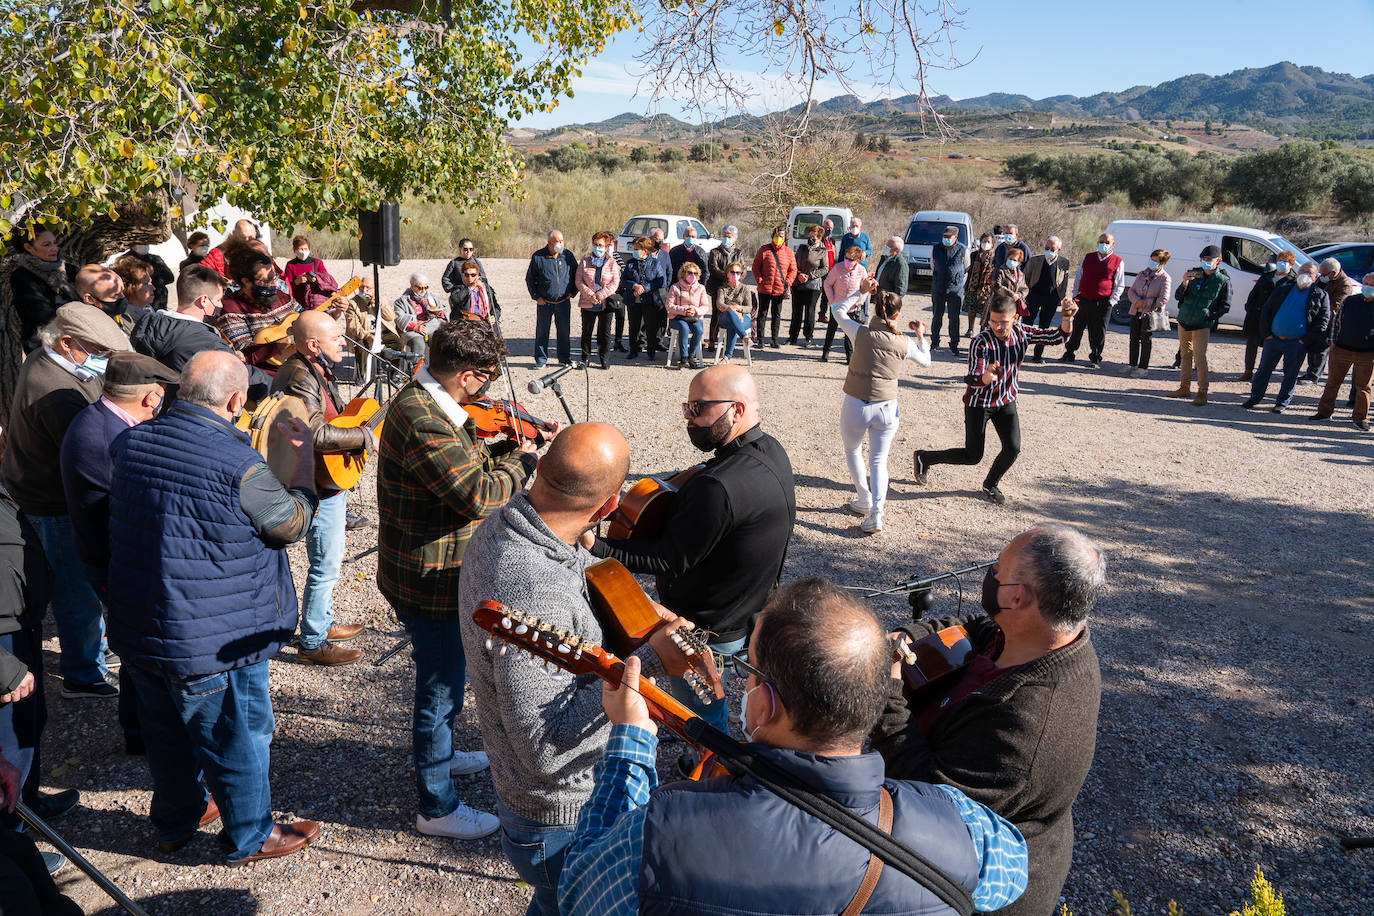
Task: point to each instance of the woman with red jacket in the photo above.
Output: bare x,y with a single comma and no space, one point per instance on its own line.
775,270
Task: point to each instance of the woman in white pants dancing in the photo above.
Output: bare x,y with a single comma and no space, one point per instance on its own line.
870,394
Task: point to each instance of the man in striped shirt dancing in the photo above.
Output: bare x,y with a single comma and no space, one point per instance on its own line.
994,358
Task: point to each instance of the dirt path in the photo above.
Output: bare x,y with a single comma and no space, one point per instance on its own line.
1235,721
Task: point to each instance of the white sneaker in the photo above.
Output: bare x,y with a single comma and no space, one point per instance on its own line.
465,763
1140,373
857,506
1129,370
463,823
872,523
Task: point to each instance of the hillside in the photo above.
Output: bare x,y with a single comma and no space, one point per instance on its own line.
1282,99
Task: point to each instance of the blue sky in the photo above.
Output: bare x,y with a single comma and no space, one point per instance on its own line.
1067,47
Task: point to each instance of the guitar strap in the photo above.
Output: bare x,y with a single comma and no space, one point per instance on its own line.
739,759
875,864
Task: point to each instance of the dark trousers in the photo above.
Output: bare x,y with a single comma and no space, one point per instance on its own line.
99,578
1253,343
619,320
646,320
557,315
1292,353
1316,360
940,303
1004,421
1092,317
601,322
1142,340
803,310
1041,314
832,327
26,888
21,724
770,308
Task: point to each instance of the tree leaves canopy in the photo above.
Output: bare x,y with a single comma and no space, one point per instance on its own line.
296,110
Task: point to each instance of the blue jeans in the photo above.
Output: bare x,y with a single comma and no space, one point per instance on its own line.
1293,353
75,607
21,724
536,851
559,313
736,326
941,302
324,546
688,336
436,646
718,713
218,726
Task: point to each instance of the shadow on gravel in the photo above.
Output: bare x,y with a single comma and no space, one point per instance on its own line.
217,901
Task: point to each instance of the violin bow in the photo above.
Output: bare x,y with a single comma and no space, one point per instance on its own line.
510,379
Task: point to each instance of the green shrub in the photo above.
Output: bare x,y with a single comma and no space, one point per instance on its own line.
1294,176
1352,190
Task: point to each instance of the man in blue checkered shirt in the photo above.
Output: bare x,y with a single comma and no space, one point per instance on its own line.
820,670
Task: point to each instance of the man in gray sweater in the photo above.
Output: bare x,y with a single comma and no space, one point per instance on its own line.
544,732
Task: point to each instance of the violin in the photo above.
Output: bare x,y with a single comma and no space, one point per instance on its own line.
494,418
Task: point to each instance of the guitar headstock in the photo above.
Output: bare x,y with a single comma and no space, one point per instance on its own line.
694,646
562,650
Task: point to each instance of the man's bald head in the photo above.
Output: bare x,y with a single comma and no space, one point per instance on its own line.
316,334
725,383
584,467
97,285
213,379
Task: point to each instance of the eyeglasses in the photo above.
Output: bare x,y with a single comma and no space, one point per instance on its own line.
736,273
741,665
420,289
470,276
693,408
468,248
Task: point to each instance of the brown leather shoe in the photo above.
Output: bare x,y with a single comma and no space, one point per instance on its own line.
343,632
330,655
284,840
211,813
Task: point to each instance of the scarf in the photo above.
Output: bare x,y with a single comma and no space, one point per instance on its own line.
54,273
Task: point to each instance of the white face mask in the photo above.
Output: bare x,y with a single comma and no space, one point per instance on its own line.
744,713
986,246
854,230
141,249
303,254
201,250
1304,281
557,247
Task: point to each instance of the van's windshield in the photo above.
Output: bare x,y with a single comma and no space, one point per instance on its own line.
1282,244
805,221
924,233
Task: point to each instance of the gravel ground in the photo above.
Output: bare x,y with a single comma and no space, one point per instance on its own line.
1235,723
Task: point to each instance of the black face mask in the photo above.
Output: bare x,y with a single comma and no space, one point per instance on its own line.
710,438
990,589
116,307
482,392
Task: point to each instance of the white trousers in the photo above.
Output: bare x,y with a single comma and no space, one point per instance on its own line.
878,421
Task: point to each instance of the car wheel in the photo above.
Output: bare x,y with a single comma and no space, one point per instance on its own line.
1121,312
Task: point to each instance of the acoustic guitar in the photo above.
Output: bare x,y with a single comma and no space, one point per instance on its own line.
934,657
280,333
345,469
644,507
561,650
628,619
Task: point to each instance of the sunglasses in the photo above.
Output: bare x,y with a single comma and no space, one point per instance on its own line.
468,276
420,289
693,408
469,248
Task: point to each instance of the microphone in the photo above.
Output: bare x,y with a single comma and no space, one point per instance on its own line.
406,355
537,385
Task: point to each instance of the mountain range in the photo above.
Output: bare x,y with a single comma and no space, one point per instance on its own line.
1282,99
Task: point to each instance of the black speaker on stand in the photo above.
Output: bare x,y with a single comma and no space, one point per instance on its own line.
379,244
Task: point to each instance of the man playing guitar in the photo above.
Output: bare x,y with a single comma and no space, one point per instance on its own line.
725,537
1015,729
542,731
306,375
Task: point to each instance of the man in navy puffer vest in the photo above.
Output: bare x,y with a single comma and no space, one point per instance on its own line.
820,667
202,599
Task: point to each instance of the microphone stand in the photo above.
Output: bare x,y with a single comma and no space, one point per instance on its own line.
80,861
557,389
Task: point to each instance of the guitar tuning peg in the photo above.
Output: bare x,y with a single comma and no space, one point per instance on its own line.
521,629
564,648
531,661
505,648
577,652
506,623
490,643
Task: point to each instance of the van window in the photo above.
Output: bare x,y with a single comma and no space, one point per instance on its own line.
701,230
1244,254
1282,244
641,225
924,233
682,225
804,222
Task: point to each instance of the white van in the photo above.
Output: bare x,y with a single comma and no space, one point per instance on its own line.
924,232
1243,253
673,226
802,219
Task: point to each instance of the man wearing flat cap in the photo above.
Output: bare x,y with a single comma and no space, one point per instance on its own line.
57,382
132,393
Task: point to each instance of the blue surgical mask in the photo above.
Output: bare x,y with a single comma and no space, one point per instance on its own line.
689,241
1281,267
640,254
96,364
1104,248
1051,254
599,250
1154,265
1367,291
1206,265
1009,239
947,241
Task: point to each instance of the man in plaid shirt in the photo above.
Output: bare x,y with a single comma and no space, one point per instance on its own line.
435,483
994,359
